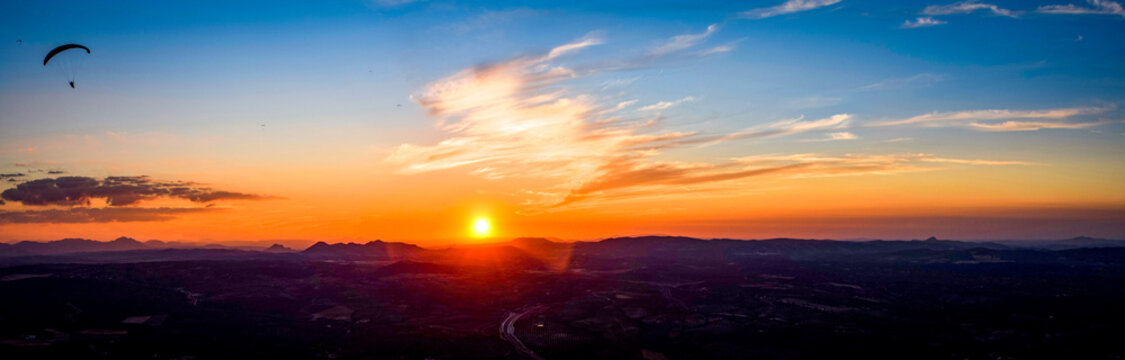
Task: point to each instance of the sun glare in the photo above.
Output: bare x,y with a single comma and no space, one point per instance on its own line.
481,227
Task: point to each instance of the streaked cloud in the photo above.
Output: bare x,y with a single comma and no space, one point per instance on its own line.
842,136
627,178
788,7
619,83
787,127
934,159
515,112
1033,125
521,118
981,118
512,117
1097,7
717,50
681,42
667,104
836,136
620,106
923,21
920,80
966,7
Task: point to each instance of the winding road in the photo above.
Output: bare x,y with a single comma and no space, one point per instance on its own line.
508,331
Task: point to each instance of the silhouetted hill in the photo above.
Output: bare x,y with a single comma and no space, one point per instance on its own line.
77,246
542,253
683,248
70,246
278,248
377,249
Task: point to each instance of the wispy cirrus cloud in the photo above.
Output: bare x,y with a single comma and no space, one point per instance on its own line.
681,42
676,48
966,7
667,104
1033,125
1003,120
1097,7
788,7
836,136
786,127
625,178
922,21
522,119
717,50
919,80
514,112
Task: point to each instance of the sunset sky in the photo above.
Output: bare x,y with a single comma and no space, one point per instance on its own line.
410,120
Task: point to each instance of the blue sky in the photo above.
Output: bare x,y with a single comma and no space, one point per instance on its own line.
782,64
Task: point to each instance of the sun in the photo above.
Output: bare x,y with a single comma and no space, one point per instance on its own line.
481,227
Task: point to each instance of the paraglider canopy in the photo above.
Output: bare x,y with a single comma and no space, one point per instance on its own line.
66,59
60,49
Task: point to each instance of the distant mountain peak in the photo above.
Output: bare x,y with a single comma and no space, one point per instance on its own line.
125,240
278,248
372,249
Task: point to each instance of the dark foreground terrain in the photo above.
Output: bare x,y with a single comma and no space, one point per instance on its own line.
627,298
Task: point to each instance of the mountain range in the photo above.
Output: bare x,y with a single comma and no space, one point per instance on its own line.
545,254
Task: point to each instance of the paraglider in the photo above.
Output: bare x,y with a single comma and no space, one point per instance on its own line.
66,59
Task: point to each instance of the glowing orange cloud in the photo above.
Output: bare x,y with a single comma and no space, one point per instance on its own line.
517,119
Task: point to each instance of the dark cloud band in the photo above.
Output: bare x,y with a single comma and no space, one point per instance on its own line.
116,190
